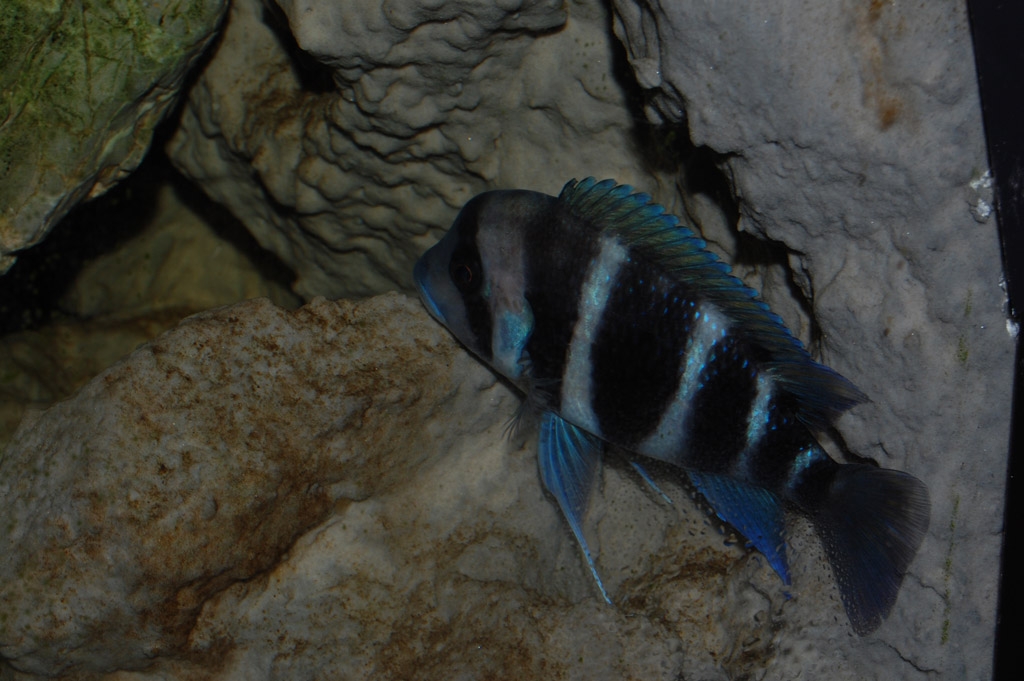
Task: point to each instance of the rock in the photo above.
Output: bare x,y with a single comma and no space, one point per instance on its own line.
279,494
275,494
195,464
82,85
176,264
348,168
38,368
181,260
853,136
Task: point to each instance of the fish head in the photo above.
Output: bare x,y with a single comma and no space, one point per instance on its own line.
474,280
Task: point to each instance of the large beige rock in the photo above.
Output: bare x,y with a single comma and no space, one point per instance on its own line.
266,494
195,464
82,85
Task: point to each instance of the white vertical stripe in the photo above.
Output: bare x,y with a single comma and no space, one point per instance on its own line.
668,441
503,259
577,384
801,462
757,424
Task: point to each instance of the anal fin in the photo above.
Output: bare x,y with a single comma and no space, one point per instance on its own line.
570,460
754,511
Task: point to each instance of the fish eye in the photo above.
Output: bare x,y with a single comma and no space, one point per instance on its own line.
463,276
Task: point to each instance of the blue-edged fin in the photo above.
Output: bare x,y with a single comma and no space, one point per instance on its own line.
570,460
642,472
871,524
754,511
821,394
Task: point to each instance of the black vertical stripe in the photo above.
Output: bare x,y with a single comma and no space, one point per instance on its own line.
771,459
637,353
560,252
813,487
466,252
720,408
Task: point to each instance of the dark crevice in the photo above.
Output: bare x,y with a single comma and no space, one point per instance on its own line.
313,76
31,291
32,288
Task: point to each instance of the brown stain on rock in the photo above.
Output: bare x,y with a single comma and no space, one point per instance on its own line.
251,411
876,25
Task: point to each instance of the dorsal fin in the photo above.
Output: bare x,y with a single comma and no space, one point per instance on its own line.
821,394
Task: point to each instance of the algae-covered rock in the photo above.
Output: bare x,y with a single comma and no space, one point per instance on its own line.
82,86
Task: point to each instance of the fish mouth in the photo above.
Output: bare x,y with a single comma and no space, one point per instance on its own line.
419,274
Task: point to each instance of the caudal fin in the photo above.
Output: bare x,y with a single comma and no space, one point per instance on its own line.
871,525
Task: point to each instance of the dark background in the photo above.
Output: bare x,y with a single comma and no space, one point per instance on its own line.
997,28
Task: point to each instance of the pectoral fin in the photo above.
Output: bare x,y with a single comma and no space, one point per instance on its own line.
754,511
570,460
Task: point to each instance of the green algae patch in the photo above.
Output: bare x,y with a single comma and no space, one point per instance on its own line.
82,86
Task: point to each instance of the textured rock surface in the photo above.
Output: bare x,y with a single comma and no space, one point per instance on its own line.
269,494
191,466
850,136
175,266
82,85
349,170
853,136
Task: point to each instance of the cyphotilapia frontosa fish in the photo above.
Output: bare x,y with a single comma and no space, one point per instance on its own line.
622,329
